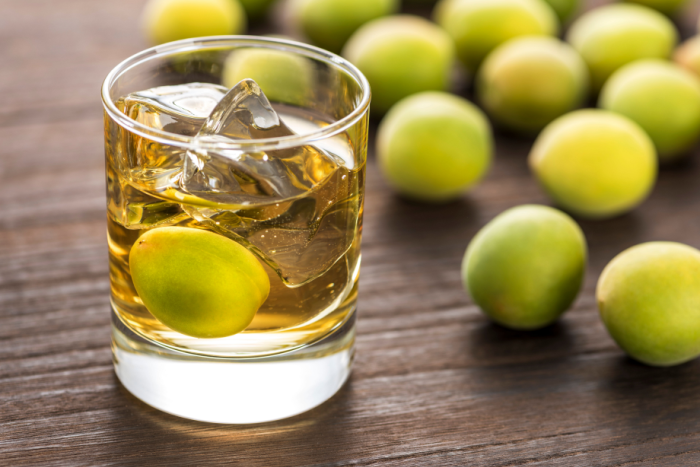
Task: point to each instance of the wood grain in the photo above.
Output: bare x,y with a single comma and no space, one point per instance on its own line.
434,382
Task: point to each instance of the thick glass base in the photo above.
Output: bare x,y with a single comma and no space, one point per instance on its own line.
224,390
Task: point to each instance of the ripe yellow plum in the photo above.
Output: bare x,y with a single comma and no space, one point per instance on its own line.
612,36
401,55
649,299
172,20
479,26
330,23
525,267
595,163
196,282
433,146
527,82
283,76
663,98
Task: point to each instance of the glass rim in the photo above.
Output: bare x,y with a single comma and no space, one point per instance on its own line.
201,43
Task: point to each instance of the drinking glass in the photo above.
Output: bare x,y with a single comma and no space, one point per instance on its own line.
298,349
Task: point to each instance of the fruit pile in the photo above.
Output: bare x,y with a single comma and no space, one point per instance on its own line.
525,268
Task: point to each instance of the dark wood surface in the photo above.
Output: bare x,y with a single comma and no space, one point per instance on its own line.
434,382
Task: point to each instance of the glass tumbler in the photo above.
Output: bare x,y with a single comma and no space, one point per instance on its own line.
282,186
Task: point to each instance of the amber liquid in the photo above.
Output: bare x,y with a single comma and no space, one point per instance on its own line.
309,245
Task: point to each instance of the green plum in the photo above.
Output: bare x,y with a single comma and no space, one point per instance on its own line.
479,26
401,55
564,9
432,146
283,76
687,55
172,20
663,98
667,7
525,267
196,282
595,163
527,82
614,35
330,23
256,9
649,300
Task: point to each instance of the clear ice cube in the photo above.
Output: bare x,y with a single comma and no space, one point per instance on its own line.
235,177
180,109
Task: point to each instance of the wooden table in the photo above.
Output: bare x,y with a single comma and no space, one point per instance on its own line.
434,382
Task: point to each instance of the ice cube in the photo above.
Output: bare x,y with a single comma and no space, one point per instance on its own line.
180,109
238,178
245,113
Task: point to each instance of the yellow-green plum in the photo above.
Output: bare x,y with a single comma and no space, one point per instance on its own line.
564,9
612,36
527,82
433,146
256,8
687,55
525,267
479,26
667,7
401,55
283,77
595,163
330,23
196,282
649,299
172,20
663,98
